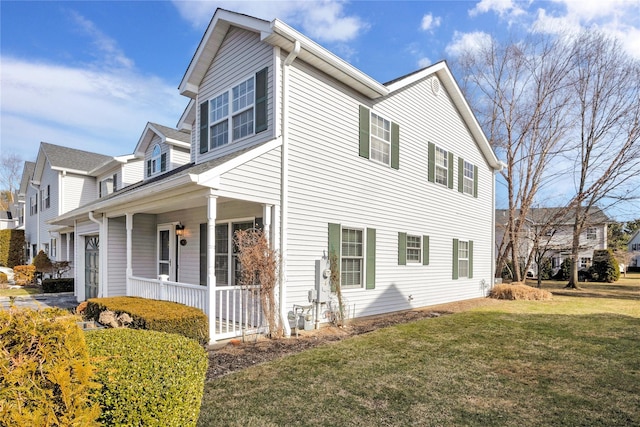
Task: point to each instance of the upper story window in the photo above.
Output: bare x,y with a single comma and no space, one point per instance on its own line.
108,185
237,113
592,233
45,197
158,161
379,138
468,178
33,204
442,166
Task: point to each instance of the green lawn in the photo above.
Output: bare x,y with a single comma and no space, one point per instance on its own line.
574,360
19,292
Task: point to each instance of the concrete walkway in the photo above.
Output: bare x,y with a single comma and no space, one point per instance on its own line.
61,300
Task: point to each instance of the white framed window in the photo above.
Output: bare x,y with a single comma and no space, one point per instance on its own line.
155,159
463,258
106,187
352,258
45,197
218,119
380,139
441,163
585,262
227,266
45,248
54,248
468,178
592,233
414,249
33,204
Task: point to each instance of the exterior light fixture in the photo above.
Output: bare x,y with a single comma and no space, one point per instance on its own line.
180,234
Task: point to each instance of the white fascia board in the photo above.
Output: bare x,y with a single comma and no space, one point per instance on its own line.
176,143
188,116
342,70
74,171
211,41
212,175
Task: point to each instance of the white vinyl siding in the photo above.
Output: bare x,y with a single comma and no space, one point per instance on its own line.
117,266
240,57
329,183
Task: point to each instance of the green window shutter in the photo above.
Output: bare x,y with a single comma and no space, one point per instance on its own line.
261,100
365,123
371,258
204,127
334,251
470,259
455,258
402,248
450,164
425,250
475,181
163,162
460,174
395,145
148,168
432,162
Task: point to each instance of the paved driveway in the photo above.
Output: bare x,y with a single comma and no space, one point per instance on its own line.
61,300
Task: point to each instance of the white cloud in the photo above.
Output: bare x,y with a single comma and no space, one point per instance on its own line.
504,8
464,42
429,22
323,20
424,62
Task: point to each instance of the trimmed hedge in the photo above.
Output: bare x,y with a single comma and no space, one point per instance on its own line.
149,378
163,316
11,247
45,371
57,285
24,274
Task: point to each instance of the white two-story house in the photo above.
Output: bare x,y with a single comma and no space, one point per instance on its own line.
394,180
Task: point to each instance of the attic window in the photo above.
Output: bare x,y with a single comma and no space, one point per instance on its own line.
158,161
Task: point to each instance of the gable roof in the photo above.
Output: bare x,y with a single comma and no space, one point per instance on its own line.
27,175
277,33
542,215
67,159
167,135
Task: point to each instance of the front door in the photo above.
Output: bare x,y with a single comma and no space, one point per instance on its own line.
166,256
91,266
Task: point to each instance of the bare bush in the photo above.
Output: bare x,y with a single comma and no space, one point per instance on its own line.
518,291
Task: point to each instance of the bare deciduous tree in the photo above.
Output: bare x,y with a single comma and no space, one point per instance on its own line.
519,93
607,128
10,174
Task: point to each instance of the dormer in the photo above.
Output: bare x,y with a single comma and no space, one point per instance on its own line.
163,149
118,173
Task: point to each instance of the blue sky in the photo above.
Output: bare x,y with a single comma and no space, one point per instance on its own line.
91,74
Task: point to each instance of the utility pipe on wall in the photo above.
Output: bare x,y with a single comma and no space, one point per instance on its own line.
284,185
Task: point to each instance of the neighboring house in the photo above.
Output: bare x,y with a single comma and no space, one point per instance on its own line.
634,248
27,173
395,180
557,237
63,179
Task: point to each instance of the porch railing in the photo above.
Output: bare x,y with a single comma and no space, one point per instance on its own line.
238,310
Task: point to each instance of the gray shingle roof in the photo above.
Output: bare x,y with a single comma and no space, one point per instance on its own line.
542,215
71,158
173,133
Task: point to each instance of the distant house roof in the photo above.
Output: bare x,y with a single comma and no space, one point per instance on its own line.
27,174
72,159
543,215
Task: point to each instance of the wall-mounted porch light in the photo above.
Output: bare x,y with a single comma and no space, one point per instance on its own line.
180,234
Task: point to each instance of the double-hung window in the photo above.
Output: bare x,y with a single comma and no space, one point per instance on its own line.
462,258
380,139
236,113
33,204
591,233
352,255
468,178
442,166
414,249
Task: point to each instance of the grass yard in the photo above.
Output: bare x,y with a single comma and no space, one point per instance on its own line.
24,291
574,360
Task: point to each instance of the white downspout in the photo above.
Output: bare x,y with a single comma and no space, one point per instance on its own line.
101,263
284,186
39,208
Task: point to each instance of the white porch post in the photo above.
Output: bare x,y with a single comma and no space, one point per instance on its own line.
266,223
211,254
129,271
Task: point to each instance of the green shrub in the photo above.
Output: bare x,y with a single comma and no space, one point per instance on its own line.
565,270
11,247
24,274
544,269
57,285
155,315
42,262
46,375
605,268
148,378
3,278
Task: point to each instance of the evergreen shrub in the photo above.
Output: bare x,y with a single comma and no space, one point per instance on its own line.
605,268
11,247
57,285
565,270
163,316
148,378
45,370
